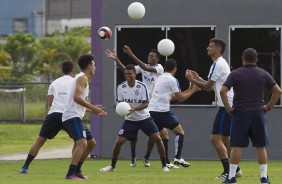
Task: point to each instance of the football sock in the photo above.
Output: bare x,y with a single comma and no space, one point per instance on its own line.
133,153
114,161
263,170
225,164
78,167
28,160
163,160
232,170
165,142
179,141
148,153
71,170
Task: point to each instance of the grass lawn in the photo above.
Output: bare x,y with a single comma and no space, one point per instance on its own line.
200,172
15,138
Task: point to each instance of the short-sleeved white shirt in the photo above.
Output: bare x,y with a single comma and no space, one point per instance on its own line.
134,96
74,109
165,86
60,89
150,78
219,72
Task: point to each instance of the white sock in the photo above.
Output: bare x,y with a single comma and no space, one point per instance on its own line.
263,170
232,170
176,143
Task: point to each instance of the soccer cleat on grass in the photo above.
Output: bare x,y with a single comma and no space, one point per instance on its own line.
80,175
239,173
24,170
133,162
172,166
146,162
223,176
107,169
181,161
72,177
264,180
232,180
165,169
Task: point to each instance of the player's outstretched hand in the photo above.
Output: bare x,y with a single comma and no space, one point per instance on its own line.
194,87
131,110
188,75
111,54
98,110
127,50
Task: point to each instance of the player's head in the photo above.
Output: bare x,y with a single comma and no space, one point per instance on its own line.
153,57
250,56
67,67
216,47
130,73
170,66
86,63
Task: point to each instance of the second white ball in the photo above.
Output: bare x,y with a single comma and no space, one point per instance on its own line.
136,11
166,47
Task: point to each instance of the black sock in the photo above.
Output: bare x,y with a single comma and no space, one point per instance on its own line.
133,153
28,160
238,169
71,170
78,167
165,142
114,161
148,153
225,164
179,141
163,160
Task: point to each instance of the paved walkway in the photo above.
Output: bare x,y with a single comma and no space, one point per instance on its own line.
43,154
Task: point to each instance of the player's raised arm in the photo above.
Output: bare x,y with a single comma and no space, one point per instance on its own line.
113,55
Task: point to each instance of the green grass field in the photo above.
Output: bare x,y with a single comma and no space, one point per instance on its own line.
200,172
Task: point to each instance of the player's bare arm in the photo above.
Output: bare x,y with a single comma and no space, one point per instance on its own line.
50,99
142,106
113,55
204,85
145,67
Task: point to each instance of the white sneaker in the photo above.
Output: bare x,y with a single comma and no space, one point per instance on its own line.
223,176
165,169
239,174
107,169
172,166
146,162
133,162
181,161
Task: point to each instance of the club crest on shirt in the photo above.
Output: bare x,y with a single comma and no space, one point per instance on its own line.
136,92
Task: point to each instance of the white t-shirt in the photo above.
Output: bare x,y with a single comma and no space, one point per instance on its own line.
134,96
73,109
165,86
150,78
219,72
60,89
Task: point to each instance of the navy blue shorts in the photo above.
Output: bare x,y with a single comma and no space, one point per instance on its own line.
247,125
164,119
221,124
51,125
130,129
77,129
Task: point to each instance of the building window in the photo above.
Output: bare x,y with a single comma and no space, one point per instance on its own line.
190,52
266,41
20,25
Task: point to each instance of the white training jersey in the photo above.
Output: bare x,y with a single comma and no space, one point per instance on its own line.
165,86
134,96
73,109
219,72
150,78
60,89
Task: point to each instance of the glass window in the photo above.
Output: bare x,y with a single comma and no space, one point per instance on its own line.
20,25
190,52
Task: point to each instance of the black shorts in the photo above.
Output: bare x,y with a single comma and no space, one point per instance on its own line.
130,129
164,119
247,125
77,129
51,125
222,122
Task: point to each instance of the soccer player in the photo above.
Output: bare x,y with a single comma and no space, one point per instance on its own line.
150,72
136,94
248,111
58,93
74,112
221,126
166,88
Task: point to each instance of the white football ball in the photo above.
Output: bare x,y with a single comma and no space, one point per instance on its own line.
122,108
166,47
136,11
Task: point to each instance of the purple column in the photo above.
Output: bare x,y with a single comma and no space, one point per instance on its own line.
96,81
